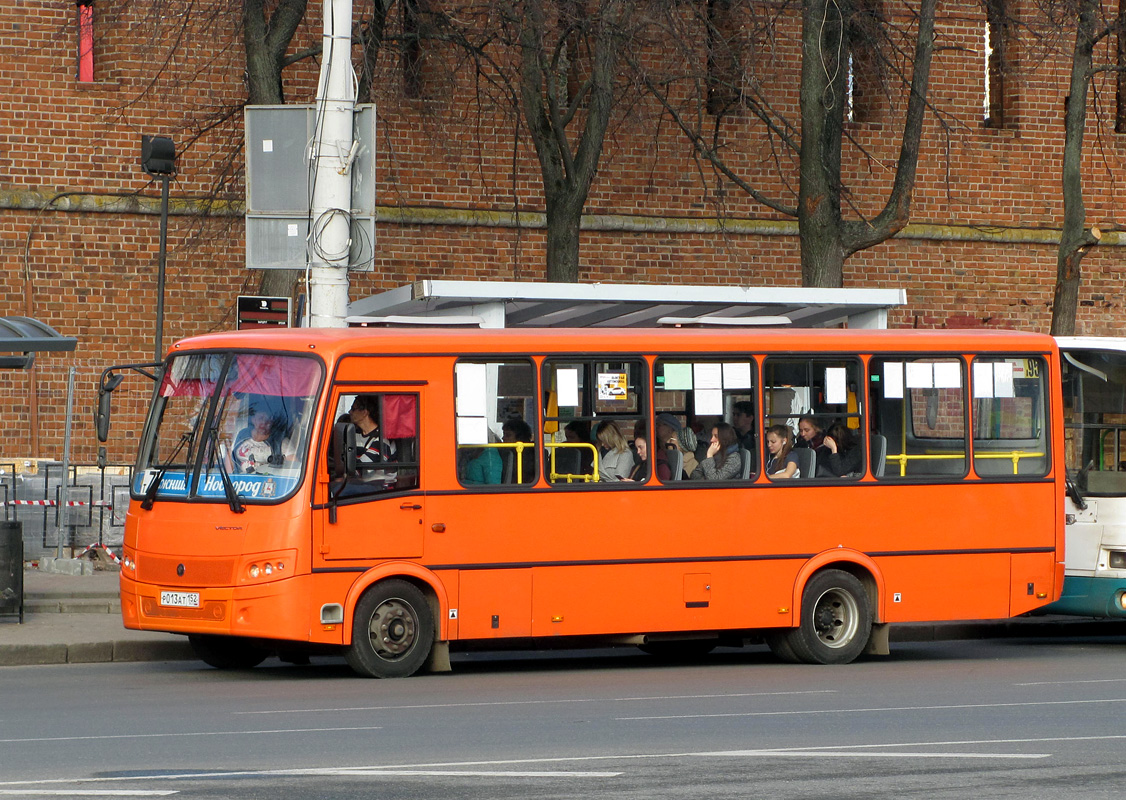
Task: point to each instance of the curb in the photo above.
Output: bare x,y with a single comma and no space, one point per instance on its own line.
26,655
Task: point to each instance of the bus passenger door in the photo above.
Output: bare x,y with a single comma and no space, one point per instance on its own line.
379,511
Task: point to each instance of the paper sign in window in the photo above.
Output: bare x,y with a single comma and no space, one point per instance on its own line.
708,402
737,375
947,375
567,385
612,386
920,375
836,385
678,377
1003,379
893,380
472,430
470,390
983,379
708,376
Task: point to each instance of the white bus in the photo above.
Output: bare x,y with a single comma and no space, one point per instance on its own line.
1094,408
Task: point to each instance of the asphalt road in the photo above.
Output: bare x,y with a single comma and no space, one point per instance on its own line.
982,719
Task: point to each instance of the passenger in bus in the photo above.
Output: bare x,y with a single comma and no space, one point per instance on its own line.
615,460
722,461
517,430
371,448
645,458
640,469
254,450
743,421
687,444
668,428
839,455
783,462
577,431
486,467
809,429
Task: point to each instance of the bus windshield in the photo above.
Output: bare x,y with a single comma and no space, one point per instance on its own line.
1095,419
228,427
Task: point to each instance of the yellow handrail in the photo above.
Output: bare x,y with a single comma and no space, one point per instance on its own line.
572,477
1014,455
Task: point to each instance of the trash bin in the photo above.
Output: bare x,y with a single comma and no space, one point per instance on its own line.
11,568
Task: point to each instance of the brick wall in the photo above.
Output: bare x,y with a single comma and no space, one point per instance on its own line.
92,273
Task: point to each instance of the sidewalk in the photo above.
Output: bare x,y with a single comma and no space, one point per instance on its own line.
76,619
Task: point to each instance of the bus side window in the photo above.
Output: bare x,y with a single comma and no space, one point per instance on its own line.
579,395
1010,434
386,442
495,408
919,408
697,394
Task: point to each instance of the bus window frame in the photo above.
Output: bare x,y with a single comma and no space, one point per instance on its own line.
533,423
890,473
1045,413
644,411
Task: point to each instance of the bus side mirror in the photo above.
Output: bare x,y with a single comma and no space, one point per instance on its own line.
343,461
110,381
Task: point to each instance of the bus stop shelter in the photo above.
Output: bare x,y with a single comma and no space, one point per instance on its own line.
509,304
20,339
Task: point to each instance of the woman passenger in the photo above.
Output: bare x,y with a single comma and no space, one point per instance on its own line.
809,429
842,457
783,463
722,462
615,460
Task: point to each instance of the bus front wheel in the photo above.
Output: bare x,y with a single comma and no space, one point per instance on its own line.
227,652
836,619
392,631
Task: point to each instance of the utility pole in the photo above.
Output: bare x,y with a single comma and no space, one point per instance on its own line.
330,226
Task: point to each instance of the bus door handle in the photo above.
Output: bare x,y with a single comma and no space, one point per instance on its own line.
410,507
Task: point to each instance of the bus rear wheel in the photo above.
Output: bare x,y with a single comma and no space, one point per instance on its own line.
836,619
227,652
392,631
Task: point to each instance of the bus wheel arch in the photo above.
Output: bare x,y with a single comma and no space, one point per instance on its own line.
834,620
393,629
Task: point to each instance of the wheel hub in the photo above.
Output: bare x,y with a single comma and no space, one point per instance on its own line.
393,629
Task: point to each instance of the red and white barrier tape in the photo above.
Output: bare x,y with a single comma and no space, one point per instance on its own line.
95,503
97,545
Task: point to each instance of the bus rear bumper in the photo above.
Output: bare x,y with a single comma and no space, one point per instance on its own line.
1090,597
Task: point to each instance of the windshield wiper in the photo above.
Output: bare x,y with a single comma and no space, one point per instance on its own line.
154,487
233,499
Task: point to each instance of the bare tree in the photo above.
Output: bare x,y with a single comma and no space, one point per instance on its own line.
1075,238
835,36
555,104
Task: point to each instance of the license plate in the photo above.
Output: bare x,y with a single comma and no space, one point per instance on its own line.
180,599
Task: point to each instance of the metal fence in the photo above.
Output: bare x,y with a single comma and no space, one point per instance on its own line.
97,499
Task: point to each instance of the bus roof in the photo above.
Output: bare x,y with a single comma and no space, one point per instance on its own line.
334,342
1114,343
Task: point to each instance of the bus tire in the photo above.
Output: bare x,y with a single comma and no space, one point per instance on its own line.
779,644
227,652
836,619
392,631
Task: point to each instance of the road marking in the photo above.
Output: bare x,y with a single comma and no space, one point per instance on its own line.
178,734
462,773
876,709
1068,683
815,753
537,702
91,792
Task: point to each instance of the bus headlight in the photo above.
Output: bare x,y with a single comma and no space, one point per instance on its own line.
1117,559
267,566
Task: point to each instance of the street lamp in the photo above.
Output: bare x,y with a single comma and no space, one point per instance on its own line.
158,158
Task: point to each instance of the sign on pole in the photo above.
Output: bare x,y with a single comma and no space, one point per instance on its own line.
257,312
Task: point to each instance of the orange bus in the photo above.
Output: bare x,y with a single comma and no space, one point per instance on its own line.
385,493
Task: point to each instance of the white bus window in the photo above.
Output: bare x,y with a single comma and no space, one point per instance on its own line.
1010,434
